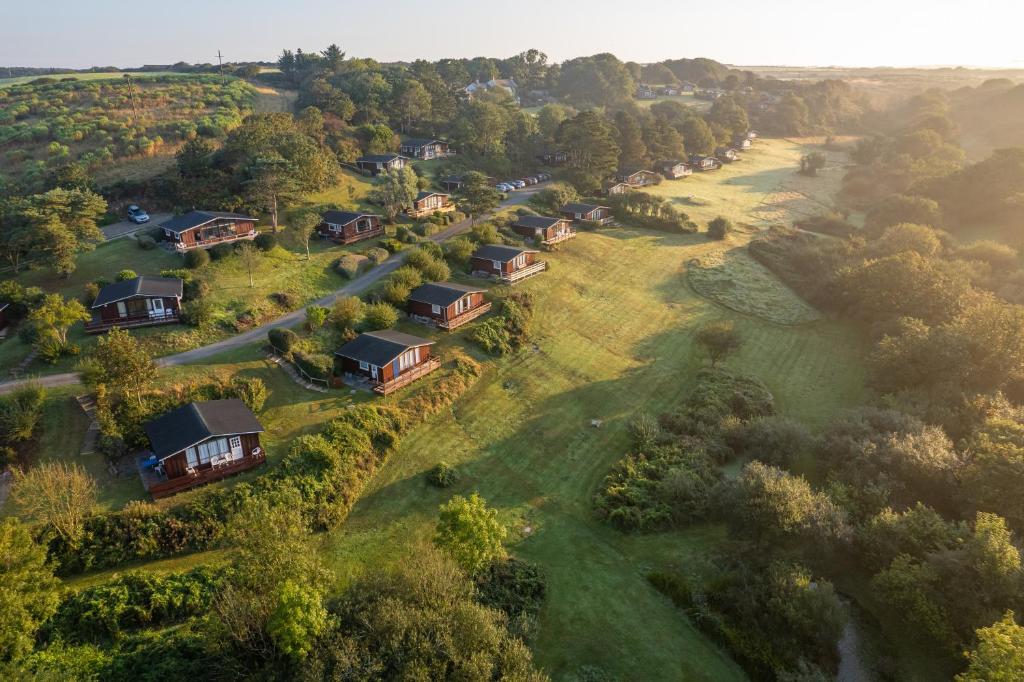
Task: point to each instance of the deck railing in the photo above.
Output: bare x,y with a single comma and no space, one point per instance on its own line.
406,378
96,326
465,317
523,273
199,244
564,236
170,486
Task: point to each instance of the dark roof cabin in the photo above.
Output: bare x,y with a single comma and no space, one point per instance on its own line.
637,177
140,302
426,149
387,360
726,154
199,443
546,230
674,169
453,183
508,264
617,188
380,163
587,212
203,229
446,304
346,227
704,163
428,203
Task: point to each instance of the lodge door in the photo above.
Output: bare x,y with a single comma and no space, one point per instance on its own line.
157,307
236,447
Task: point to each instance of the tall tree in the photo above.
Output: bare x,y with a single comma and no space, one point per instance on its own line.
396,191
29,594
58,495
470,532
589,140
632,149
476,196
122,364
411,102
51,320
62,224
697,136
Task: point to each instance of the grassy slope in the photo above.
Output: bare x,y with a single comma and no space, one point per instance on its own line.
97,76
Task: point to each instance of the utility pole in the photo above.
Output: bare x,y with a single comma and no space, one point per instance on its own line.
131,93
220,62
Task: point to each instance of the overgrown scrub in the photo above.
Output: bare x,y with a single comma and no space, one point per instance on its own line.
509,331
652,212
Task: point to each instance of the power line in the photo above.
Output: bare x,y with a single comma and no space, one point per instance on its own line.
131,93
220,62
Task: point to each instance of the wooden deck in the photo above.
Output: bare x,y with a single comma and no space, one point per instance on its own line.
524,273
97,326
429,211
558,238
403,380
158,485
182,248
358,237
462,319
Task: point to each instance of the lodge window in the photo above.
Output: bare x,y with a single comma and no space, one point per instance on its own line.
204,452
408,359
364,366
497,264
435,309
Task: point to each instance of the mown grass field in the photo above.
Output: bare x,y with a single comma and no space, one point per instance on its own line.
94,76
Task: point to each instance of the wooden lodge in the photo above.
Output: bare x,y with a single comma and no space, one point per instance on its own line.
446,304
544,229
616,188
509,264
139,302
726,154
452,183
637,178
699,162
553,158
203,229
345,227
424,149
380,163
673,169
646,92
199,443
428,203
742,143
387,360
587,212
687,86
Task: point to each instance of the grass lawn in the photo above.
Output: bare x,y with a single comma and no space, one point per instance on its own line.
686,98
610,341
97,76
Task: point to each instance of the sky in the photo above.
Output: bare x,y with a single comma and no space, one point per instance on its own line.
83,33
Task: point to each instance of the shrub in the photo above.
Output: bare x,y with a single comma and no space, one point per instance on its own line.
316,316
282,339
250,390
350,264
125,275
719,228
195,289
91,291
145,242
184,274
492,336
196,258
220,251
391,245
515,587
317,365
347,313
458,251
377,255
265,241
285,299
197,313
442,475
396,292
773,439
379,316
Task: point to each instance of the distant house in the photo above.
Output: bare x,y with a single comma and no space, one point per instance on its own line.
425,149
453,183
346,227
674,169
752,134
670,91
381,163
726,154
506,84
203,229
700,162
687,86
553,158
199,443
637,178
446,304
139,302
646,92
387,359
544,229
742,143
428,203
509,264
617,188
587,212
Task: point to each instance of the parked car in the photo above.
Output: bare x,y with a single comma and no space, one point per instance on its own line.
504,187
137,214
519,184
529,180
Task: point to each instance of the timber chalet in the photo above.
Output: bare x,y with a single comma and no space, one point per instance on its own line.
345,227
452,183
726,154
425,149
139,302
544,229
508,264
614,188
673,170
380,163
203,229
446,304
587,213
637,178
386,359
428,203
199,443
704,163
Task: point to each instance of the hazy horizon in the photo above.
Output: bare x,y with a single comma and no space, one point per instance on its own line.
874,34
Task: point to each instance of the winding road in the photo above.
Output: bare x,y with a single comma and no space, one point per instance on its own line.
356,286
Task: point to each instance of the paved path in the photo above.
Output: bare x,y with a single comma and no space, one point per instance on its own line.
127,227
355,287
